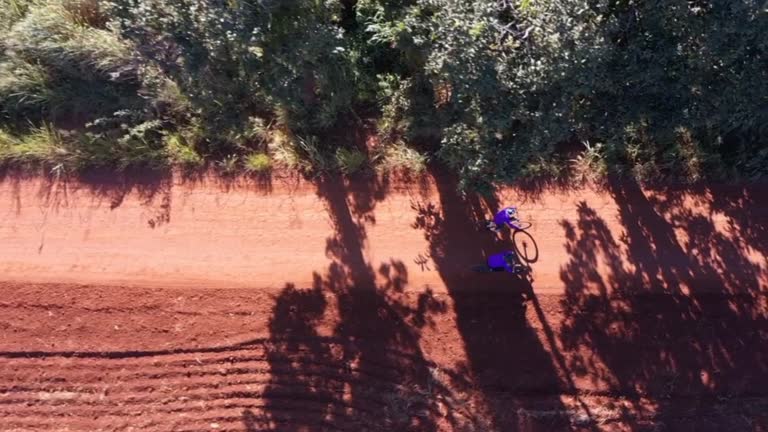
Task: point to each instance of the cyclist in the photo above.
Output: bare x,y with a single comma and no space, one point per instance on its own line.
505,217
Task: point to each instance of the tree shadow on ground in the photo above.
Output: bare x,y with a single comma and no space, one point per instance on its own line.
679,316
56,191
369,373
506,361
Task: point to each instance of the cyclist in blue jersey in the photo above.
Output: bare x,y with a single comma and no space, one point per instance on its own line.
505,217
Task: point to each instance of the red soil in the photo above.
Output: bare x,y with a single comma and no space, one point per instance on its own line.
170,304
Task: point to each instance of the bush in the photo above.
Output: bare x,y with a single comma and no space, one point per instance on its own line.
229,165
590,165
179,152
284,148
399,157
257,163
301,153
277,56
350,161
672,89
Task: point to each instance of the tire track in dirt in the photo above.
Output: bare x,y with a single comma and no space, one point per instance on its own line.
255,384
181,389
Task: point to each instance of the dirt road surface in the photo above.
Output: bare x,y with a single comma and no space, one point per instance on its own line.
159,303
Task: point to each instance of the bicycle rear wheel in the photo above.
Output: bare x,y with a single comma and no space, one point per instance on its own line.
525,246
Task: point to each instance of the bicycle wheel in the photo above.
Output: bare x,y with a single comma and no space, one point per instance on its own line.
523,225
525,246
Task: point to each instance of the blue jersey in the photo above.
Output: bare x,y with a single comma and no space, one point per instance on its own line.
502,217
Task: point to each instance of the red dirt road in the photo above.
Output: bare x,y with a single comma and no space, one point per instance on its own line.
166,304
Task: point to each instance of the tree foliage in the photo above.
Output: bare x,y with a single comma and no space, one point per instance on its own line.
495,89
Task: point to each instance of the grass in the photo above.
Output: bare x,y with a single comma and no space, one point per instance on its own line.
22,85
305,154
257,163
179,152
300,153
350,161
284,148
86,12
229,166
47,146
41,146
61,39
399,157
545,168
313,156
590,165
61,62
11,11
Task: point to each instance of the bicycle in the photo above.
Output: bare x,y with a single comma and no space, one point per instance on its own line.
523,242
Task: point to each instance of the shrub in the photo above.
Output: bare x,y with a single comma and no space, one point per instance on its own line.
257,163
350,161
229,165
490,88
283,146
590,165
265,57
315,159
179,152
300,153
542,168
399,157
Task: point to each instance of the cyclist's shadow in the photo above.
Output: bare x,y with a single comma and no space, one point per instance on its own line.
490,308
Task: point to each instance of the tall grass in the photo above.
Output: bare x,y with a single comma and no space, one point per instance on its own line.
60,39
400,157
11,11
23,86
300,153
41,146
350,161
180,152
590,165
57,64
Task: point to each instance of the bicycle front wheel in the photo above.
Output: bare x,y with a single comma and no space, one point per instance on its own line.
523,225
